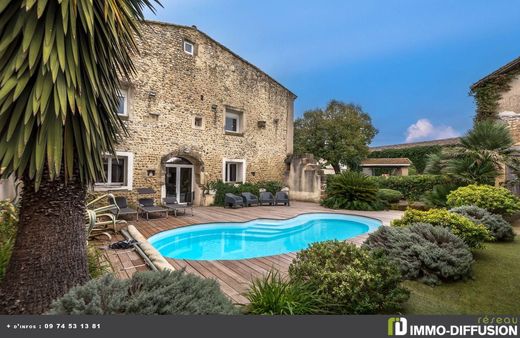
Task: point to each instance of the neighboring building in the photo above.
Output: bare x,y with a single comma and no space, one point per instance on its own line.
506,107
386,166
197,112
442,142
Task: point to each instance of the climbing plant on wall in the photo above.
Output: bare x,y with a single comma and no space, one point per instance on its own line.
488,94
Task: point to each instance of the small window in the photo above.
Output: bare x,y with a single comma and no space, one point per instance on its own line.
233,121
116,171
234,171
189,48
198,122
122,106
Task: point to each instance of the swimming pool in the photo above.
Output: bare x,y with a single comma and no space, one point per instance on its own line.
258,238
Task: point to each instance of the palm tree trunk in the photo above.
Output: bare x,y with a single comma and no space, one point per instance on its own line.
49,255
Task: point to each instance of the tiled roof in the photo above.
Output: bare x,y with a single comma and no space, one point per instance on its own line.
374,162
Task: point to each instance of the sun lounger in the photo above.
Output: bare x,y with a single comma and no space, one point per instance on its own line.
171,204
147,206
124,209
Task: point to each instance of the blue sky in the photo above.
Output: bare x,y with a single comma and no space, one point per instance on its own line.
408,63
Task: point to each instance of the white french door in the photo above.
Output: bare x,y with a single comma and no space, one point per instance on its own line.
179,182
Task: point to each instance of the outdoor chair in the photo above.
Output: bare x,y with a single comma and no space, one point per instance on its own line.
101,220
249,199
282,197
267,198
147,205
232,200
171,204
123,208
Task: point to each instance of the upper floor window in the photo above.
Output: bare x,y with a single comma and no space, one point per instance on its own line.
122,107
118,172
189,47
233,121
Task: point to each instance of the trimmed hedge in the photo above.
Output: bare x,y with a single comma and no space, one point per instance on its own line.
389,195
496,200
146,293
499,228
473,234
222,189
424,252
412,187
348,279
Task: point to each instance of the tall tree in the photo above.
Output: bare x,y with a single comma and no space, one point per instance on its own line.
340,134
60,62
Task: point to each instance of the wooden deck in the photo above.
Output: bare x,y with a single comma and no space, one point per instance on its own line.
235,276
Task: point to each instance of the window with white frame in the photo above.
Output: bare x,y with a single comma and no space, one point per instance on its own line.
234,121
234,171
189,47
122,105
118,172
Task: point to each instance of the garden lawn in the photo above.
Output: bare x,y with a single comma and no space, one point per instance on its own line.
494,289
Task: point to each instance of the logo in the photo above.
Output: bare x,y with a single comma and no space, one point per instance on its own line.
397,326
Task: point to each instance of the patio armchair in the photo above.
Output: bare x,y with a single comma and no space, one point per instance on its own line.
232,200
147,206
123,208
101,220
266,197
171,204
249,199
282,197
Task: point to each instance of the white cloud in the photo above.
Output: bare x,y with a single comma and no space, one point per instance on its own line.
424,130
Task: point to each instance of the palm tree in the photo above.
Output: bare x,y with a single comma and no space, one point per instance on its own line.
60,63
483,152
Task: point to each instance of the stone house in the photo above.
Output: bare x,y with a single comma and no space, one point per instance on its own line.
502,89
197,112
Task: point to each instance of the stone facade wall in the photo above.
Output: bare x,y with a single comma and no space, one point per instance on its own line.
171,88
510,102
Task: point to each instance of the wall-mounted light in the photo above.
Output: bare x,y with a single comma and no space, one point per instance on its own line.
152,93
214,108
150,173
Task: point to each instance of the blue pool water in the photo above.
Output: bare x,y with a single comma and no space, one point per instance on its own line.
258,238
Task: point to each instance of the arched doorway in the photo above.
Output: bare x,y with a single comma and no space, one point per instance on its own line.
180,178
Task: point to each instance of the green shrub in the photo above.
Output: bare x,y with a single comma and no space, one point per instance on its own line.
8,222
498,227
389,195
424,252
146,293
351,190
496,200
348,279
222,189
438,196
273,295
473,234
412,187
97,264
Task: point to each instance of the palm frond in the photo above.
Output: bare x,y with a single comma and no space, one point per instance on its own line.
60,65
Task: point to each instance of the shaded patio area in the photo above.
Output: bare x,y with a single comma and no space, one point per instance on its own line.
233,276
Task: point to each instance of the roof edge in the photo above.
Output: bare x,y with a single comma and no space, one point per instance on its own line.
194,28
502,70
